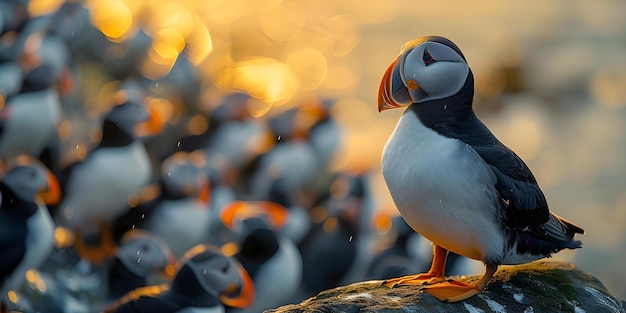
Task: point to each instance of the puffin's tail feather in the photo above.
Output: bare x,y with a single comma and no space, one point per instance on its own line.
569,226
561,232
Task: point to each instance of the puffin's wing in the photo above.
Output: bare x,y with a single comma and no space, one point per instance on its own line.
524,202
12,245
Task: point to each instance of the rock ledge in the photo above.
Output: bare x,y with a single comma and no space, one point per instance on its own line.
541,286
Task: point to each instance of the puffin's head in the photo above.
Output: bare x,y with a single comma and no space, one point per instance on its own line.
144,253
29,180
218,275
428,68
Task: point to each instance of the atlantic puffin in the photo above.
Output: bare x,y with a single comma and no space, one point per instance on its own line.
272,260
182,215
140,255
452,180
205,281
26,227
99,189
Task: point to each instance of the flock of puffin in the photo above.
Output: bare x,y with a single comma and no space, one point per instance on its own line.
243,215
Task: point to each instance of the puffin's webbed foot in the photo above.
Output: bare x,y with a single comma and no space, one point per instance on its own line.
98,253
412,280
455,291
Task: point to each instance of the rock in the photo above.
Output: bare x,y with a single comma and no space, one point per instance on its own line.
541,286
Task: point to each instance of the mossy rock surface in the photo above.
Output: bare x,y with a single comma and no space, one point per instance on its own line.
541,286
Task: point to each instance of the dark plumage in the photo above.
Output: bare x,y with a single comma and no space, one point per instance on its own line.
206,279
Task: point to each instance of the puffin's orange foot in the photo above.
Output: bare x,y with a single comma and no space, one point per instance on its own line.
412,280
96,253
452,290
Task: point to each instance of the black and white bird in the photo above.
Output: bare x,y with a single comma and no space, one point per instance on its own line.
205,281
182,214
140,255
97,190
26,227
272,260
452,180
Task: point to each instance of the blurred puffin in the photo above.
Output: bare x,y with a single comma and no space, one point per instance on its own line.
140,255
273,261
291,164
205,281
30,118
98,190
452,180
26,228
331,250
182,216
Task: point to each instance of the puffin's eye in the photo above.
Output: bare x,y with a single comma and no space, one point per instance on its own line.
428,58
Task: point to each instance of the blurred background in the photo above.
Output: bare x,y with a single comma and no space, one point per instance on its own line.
550,83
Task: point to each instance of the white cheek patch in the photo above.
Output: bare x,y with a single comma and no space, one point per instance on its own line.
440,79
443,79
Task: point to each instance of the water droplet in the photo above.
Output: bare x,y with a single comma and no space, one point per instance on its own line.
133,227
350,239
142,215
204,272
138,254
156,84
278,138
445,106
178,144
138,260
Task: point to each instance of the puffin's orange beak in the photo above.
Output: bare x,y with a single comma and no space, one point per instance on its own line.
52,196
392,93
246,296
155,122
276,213
204,196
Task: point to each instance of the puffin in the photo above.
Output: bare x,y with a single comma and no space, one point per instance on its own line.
26,227
98,189
30,117
140,255
182,215
272,260
452,180
205,281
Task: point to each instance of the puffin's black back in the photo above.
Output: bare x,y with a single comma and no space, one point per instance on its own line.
14,215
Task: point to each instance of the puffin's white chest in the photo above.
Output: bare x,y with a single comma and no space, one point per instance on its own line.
34,116
443,189
100,187
182,224
278,279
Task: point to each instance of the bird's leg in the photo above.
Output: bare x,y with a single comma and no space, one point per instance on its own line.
455,291
435,275
97,253
106,239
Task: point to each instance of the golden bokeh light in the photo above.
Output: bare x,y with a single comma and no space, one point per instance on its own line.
168,42
283,21
169,14
41,7
310,66
265,79
112,17
199,43
344,33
